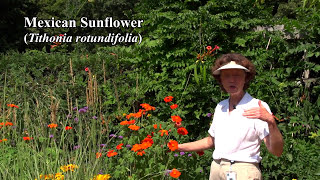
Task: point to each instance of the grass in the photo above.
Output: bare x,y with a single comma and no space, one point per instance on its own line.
45,151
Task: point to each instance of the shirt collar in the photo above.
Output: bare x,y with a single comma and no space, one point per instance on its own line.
245,99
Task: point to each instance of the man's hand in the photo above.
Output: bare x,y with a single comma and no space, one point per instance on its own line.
259,113
274,141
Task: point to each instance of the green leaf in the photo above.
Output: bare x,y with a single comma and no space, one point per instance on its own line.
196,74
199,169
288,70
241,42
275,81
289,156
152,43
162,167
310,55
316,68
204,75
294,119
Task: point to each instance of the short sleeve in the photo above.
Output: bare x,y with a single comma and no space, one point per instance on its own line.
261,126
211,130
266,106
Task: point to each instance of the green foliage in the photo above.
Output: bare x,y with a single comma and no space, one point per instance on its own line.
313,3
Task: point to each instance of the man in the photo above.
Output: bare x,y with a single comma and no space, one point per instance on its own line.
239,125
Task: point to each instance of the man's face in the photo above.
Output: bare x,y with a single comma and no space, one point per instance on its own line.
233,80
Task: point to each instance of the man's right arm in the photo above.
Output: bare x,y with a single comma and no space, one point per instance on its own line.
200,145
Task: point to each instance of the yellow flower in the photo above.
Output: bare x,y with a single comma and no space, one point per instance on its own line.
46,176
102,177
69,167
59,176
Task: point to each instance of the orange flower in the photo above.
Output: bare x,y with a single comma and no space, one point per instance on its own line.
69,167
182,131
3,140
111,153
134,127
138,114
27,138
47,176
68,127
174,106
155,126
136,147
176,118
168,99
175,173
12,105
119,146
147,139
98,155
52,46
145,145
52,125
147,107
124,123
140,153
129,115
59,176
163,131
131,122
9,124
173,145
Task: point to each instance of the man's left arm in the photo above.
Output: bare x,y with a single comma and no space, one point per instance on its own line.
274,140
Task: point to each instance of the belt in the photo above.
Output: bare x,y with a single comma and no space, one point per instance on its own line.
219,161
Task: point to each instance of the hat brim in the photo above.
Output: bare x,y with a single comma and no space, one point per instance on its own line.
229,66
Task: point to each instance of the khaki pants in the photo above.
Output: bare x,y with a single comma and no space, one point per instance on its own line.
245,171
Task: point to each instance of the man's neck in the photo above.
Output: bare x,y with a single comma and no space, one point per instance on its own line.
236,98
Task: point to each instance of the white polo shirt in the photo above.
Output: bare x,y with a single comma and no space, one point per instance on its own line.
236,137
